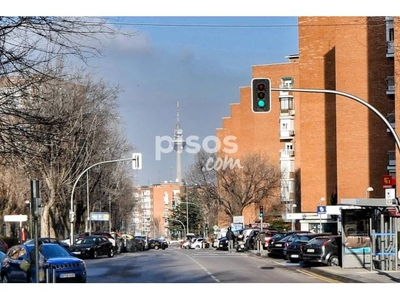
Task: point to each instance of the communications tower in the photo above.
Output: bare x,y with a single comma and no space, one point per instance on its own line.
179,145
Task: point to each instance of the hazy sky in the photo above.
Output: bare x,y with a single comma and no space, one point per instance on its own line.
199,61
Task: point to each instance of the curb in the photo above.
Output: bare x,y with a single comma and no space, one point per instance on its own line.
338,277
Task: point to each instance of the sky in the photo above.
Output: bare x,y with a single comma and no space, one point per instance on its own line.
197,55
200,63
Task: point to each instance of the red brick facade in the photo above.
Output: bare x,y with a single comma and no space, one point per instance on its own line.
341,147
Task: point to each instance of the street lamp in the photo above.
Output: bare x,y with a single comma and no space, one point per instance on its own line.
320,221
71,211
292,210
369,189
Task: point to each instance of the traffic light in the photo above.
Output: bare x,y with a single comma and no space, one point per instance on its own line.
261,211
261,95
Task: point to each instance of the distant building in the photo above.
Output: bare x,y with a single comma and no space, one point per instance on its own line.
154,204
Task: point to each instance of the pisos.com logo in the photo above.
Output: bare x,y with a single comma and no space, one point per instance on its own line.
210,144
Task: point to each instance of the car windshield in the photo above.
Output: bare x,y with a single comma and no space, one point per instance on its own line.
54,251
318,241
87,241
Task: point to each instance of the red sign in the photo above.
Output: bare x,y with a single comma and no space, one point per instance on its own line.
393,212
387,181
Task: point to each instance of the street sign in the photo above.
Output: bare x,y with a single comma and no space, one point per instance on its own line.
215,227
137,161
15,218
321,209
99,216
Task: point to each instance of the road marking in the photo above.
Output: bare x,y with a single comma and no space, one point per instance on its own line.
204,268
317,276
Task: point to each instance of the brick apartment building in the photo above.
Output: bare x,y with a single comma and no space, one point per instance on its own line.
154,203
328,146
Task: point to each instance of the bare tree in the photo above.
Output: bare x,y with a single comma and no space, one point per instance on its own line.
255,181
28,45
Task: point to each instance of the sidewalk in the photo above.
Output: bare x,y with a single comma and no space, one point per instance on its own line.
352,275
358,275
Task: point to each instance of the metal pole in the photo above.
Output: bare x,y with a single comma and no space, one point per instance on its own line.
292,210
320,215
87,204
184,229
187,218
72,212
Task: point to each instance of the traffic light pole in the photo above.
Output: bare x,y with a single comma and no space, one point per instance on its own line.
322,91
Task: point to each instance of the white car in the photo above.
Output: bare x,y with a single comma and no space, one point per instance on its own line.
197,243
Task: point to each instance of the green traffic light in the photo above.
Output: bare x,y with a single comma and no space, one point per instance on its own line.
261,103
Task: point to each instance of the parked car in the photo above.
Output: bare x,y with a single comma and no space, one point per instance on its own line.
67,267
324,250
92,246
48,240
278,249
146,240
186,244
139,244
223,244
2,254
197,243
3,246
164,244
158,244
294,250
108,236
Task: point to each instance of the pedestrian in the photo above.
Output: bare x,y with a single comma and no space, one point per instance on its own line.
230,236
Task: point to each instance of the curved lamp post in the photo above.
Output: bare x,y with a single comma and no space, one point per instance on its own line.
71,211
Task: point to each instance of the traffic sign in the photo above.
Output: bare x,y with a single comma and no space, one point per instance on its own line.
137,161
215,227
321,209
15,218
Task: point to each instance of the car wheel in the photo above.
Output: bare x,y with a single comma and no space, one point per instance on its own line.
111,253
333,261
95,254
156,247
197,247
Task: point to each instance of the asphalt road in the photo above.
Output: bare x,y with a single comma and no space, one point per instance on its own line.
175,265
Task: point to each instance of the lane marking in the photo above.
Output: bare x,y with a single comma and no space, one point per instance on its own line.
204,268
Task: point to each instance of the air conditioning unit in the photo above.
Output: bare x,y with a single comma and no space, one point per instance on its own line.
291,153
291,132
292,112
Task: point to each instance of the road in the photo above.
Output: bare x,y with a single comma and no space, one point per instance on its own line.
175,265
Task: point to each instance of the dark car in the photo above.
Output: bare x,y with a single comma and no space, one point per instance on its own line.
294,250
139,244
92,246
323,250
146,239
54,258
48,240
3,246
223,243
158,244
278,249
